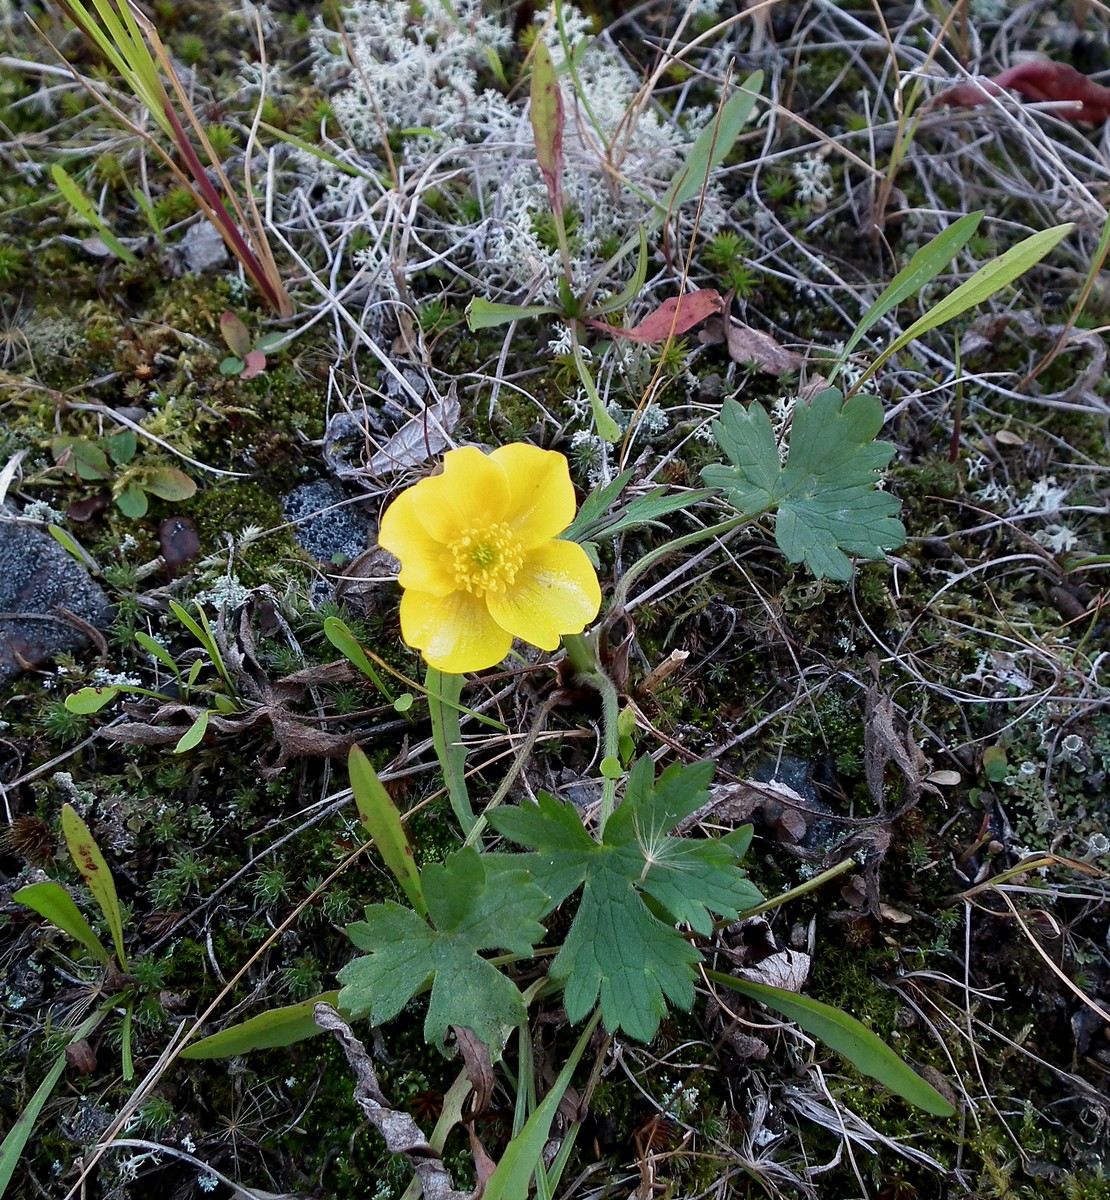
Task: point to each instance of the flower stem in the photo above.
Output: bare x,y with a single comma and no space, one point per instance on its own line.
444,691
680,543
582,655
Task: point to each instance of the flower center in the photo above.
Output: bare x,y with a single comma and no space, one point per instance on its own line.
486,559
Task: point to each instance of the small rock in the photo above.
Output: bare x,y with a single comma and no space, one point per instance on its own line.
203,248
330,534
37,578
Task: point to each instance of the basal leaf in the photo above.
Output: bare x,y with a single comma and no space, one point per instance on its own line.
619,949
90,699
826,496
235,334
485,314
168,483
547,123
382,821
94,870
867,1052
923,267
52,901
278,1027
475,902
989,279
711,145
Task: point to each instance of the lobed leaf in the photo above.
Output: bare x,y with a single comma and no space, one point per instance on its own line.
619,949
826,496
475,902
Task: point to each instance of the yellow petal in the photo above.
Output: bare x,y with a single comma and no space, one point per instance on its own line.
471,491
426,563
555,592
454,633
541,495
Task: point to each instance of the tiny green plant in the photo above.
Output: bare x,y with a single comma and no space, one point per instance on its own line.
52,902
248,357
111,460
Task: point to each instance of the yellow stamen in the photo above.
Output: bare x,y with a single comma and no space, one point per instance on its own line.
486,559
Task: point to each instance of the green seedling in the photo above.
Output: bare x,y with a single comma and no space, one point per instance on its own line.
52,902
247,358
110,459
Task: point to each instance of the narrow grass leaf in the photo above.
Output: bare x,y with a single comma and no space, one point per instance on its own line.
94,870
524,1154
381,819
52,901
844,1034
267,1031
988,280
16,1138
924,267
711,146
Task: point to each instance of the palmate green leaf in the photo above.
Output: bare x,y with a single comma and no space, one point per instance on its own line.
826,497
618,947
475,902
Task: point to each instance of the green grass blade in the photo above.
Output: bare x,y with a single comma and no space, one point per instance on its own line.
82,206
94,870
711,146
524,1154
52,901
981,286
847,1036
382,821
12,1147
922,268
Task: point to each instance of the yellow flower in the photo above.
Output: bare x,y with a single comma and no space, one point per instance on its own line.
480,563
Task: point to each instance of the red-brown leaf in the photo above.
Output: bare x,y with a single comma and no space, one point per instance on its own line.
1038,81
674,317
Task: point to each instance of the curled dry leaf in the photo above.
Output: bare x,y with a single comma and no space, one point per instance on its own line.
788,969
1039,81
746,344
674,317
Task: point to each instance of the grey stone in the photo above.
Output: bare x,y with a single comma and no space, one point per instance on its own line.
37,580
203,248
338,534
